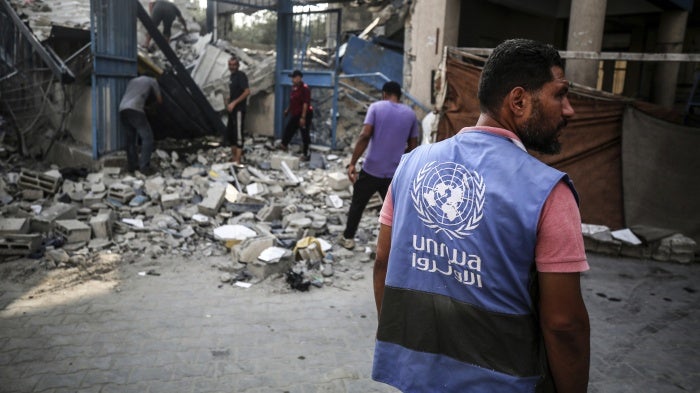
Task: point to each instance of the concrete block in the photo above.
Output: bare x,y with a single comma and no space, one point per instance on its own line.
276,190
84,214
291,161
603,243
270,213
120,192
14,226
677,248
338,181
154,186
32,195
48,182
193,171
101,225
92,198
291,217
256,189
73,231
60,211
152,210
111,171
170,200
303,222
248,250
211,204
233,233
263,269
19,244
635,251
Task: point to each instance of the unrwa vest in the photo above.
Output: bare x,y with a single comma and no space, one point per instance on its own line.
457,314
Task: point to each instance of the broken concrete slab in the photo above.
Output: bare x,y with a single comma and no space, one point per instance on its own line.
59,211
170,200
101,225
676,248
14,226
32,195
211,204
276,161
338,181
256,189
270,212
235,233
248,250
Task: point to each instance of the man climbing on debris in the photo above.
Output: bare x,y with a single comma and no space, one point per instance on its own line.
390,129
477,274
131,112
166,12
236,107
300,114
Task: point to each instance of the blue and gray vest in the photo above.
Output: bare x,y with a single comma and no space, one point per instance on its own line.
458,313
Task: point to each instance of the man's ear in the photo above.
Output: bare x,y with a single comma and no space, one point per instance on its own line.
518,101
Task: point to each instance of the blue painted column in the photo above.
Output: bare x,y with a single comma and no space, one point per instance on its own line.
285,30
114,49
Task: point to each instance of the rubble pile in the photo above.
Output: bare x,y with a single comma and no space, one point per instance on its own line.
642,242
275,216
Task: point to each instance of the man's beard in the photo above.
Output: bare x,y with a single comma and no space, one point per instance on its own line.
538,136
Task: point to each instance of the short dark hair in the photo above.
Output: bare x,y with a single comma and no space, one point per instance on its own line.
516,62
296,73
392,88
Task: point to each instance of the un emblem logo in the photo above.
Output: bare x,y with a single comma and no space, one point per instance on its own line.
449,198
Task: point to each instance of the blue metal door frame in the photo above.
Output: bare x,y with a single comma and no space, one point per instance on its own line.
291,55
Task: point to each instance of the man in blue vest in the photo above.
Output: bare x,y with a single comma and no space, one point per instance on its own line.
477,275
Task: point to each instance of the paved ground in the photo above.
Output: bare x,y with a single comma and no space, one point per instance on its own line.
181,332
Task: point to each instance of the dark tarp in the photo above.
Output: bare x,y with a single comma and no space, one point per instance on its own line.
661,173
591,147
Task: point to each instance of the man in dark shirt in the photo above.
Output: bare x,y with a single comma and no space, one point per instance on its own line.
236,107
166,12
301,114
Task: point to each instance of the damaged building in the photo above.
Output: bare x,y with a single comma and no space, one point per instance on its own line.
66,200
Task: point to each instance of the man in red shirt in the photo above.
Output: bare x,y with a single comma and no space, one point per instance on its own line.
300,114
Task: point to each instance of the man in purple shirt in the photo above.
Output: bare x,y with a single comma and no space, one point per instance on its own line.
390,130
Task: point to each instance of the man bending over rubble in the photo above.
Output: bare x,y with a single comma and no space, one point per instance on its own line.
131,111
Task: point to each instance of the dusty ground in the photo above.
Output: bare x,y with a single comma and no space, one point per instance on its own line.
36,279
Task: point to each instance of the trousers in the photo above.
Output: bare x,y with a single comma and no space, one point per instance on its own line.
137,127
365,186
293,126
